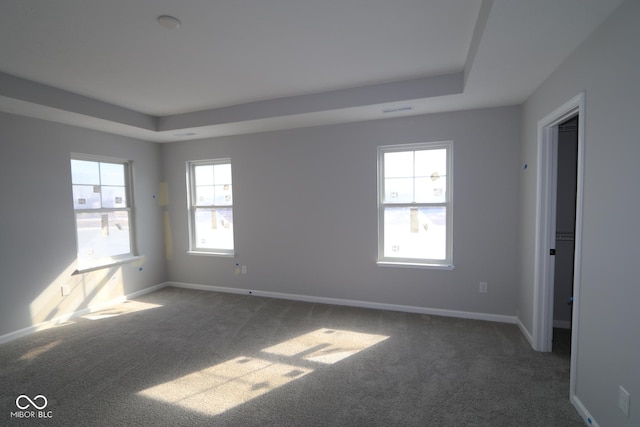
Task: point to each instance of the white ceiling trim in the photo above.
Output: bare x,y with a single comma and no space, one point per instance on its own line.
33,99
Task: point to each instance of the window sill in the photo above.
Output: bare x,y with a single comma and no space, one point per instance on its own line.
109,264
415,265
217,254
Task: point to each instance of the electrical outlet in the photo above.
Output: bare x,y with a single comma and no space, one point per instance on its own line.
65,290
244,269
623,400
483,288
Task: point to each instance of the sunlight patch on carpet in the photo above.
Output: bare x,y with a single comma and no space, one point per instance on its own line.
33,353
326,345
216,389
221,387
123,308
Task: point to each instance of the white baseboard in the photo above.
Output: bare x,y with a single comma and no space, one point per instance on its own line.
351,303
586,415
295,297
562,324
556,324
525,332
66,317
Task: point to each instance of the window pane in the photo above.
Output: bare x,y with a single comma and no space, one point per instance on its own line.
222,174
212,225
397,165
85,172
431,163
214,228
112,174
102,235
204,195
415,232
223,195
204,174
86,197
398,190
114,197
431,190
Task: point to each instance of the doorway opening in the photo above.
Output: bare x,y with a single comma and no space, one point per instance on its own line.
546,231
566,188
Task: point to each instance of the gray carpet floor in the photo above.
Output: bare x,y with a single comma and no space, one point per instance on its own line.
180,357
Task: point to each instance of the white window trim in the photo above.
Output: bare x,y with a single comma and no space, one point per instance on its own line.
107,262
113,262
447,263
191,206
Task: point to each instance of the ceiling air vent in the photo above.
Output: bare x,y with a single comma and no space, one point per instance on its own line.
397,109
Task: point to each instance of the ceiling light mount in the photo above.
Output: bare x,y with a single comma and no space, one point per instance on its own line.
169,22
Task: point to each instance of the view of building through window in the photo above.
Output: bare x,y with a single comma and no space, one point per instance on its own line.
102,210
414,203
211,206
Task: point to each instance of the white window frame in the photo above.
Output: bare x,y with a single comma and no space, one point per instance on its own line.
193,205
446,263
98,263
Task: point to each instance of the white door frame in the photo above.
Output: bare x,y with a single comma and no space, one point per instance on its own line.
542,333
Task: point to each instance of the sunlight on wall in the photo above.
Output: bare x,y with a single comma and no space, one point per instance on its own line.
46,305
100,286
86,290
219,388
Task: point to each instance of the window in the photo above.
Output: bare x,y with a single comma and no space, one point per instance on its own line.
414,204
103,213
210,207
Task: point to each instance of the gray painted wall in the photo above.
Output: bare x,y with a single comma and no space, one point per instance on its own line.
606,66
306,219
38,247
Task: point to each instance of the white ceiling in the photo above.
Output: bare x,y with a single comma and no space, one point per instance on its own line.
253,65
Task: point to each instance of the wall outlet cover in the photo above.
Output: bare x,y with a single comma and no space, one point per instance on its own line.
623,400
